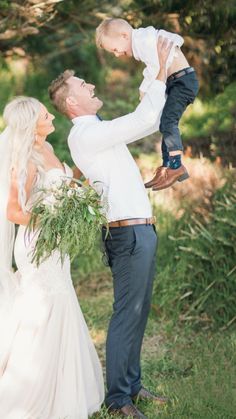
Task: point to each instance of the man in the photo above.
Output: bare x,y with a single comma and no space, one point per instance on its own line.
99,149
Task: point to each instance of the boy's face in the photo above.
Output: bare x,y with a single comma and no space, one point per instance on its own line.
118,45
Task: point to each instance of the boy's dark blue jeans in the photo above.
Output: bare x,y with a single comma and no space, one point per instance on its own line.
181,92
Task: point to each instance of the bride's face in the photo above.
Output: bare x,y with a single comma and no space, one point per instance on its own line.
44,124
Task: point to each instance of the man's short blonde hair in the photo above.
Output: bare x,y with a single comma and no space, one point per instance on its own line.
110,27
59,91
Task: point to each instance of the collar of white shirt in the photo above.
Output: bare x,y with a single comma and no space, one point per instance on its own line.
84,118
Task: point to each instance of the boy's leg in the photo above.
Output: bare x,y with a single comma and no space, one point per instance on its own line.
181,92
165,154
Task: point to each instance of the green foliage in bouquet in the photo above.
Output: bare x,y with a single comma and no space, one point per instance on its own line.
66,218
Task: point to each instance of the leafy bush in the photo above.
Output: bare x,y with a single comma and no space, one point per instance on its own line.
197,278
210,128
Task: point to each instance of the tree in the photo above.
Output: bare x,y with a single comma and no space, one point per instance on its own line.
59,33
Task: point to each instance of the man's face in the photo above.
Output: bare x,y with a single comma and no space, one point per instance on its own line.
118,45
82,96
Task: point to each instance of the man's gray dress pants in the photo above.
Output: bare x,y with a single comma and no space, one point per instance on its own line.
131,253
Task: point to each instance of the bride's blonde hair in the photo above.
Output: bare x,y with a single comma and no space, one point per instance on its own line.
21,115
17,148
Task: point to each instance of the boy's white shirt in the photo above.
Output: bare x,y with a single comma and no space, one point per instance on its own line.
144,46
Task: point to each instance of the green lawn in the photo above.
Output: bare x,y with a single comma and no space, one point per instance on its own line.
197,371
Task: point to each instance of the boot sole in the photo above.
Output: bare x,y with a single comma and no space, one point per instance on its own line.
183,177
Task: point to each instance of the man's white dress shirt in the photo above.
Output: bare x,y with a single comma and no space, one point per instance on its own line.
144,46
99,149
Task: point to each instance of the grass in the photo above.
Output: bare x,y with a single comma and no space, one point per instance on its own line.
195,370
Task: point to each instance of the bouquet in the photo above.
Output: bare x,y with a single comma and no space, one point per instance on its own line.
66,218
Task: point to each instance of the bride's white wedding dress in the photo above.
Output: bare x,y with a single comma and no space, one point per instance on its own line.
49,368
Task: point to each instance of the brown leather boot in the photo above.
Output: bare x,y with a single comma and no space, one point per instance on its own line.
169,177
144,394
128,410
159,173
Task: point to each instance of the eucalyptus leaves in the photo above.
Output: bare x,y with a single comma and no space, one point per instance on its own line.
65,218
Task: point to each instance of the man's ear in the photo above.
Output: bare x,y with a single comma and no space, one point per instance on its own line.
71,101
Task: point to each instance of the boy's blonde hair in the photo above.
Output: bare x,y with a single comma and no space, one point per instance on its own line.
110,27
59,91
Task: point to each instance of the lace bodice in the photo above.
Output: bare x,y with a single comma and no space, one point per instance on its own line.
53,177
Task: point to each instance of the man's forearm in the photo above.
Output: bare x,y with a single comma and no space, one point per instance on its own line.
163,49
161,75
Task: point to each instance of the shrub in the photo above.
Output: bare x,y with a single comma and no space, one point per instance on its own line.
210,127
198,283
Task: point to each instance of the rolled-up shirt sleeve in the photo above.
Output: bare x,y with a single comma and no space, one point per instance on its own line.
101,135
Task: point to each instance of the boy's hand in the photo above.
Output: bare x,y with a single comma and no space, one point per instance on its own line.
163,51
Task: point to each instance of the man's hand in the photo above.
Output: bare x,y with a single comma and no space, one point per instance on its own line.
163,51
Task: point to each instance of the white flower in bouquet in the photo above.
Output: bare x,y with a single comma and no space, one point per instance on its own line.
50,201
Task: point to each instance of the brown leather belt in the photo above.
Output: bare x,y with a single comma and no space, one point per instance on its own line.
132,222
180,73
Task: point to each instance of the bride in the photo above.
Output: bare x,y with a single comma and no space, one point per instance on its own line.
49,368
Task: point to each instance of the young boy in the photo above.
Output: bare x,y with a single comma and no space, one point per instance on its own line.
118,37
